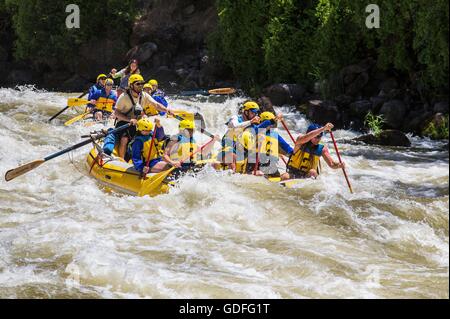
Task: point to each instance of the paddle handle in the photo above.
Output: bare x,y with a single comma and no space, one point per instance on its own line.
287,130
74,147
340,161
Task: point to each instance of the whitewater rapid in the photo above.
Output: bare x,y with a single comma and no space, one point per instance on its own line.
218,235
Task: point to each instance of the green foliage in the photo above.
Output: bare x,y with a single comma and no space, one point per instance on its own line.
437,130
42,35
374,123
307,41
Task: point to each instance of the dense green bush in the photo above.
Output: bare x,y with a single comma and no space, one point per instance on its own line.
305,41
42,36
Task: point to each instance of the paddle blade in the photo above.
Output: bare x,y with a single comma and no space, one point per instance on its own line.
151,185
184,114
76,118
223,91
76,102
16,172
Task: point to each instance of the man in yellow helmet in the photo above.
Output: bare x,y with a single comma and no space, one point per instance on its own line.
304,162
181,146
236,126
143,145
130,106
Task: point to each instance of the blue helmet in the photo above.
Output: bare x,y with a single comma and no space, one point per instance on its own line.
314,127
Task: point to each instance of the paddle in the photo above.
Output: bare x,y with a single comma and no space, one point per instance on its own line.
151,149
221,91
16,172
287,130
76,118
340,161
68,105
199,117
150,185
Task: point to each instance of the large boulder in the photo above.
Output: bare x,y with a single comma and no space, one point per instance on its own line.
323,112
142,52
281,94
416,121
359,109
394,113
386,138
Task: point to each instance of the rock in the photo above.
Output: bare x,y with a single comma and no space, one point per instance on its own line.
415,121
19,77
388,85
75,84
343,101
323,112
266,104
377,103
394,113
165,75
359,109
441,107
143,52
386,138
281,94
189,10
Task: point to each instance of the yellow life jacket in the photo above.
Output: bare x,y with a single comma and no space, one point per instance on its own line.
150,110
105,104
306,158
269,147
147,141
246,145
186,146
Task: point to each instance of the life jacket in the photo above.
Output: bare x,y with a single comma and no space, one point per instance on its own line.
230,138
186,146
147,141
269,148
106,103
149,109
306,158
246,146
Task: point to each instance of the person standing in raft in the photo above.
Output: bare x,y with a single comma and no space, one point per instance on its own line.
304,162
130,107
124,75
141,147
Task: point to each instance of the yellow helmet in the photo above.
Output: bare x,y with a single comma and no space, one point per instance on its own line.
153,82
144,124
251,106
147,86
135,78
187,124
109,81
101,76
267,116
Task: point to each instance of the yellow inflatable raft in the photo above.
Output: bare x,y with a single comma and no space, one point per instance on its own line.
119,175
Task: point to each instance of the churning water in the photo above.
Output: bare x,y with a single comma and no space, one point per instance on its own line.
218,235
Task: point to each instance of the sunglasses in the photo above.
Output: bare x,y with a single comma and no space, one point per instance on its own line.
109,85
139,83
